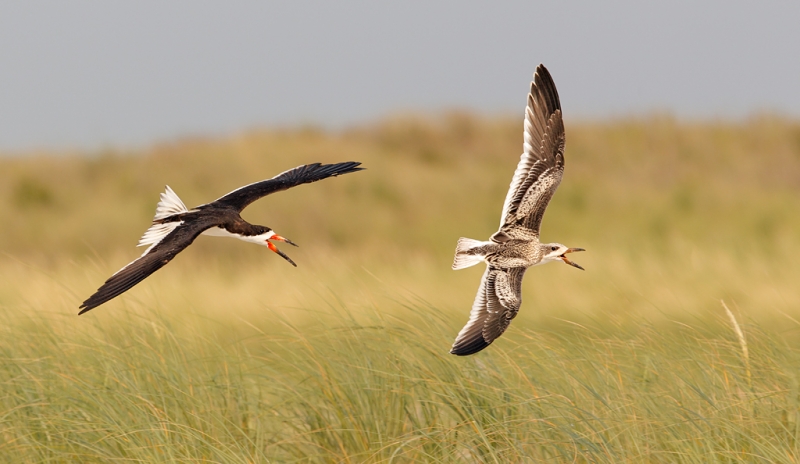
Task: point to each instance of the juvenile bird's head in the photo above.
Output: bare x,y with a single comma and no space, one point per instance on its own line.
557,252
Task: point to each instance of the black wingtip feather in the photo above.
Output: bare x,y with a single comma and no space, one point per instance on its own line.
107,293
305,174
316,171
340,168
85,308
471,347
543,82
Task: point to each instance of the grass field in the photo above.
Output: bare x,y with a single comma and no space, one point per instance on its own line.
229,354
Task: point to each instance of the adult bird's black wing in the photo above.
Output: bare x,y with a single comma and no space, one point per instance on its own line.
243,196
541,165
496,304
153,259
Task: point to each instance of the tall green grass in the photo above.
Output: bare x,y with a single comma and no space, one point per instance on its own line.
376,384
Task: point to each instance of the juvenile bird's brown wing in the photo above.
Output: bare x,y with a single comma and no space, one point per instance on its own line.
496,304
541,164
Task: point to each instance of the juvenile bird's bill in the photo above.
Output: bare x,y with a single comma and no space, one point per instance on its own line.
572,250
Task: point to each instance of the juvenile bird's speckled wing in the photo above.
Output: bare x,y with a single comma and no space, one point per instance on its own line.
542,162
497,302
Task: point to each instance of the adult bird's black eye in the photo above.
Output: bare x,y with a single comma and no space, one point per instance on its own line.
553,248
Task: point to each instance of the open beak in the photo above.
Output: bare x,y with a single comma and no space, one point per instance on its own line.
572,250
282,239
279,252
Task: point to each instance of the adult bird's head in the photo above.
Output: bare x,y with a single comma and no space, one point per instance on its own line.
558,252
264,239
272,246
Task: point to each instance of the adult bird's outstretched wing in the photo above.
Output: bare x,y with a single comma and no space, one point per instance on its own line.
153,259
542,162
497,302
243,196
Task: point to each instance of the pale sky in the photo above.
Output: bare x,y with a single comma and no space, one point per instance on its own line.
88,74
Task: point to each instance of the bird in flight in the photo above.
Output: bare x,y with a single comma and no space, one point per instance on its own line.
175,227
515,246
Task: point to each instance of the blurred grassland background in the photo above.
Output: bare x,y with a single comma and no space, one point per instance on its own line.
230,354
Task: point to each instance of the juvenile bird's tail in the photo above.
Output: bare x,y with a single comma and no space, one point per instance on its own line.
466,255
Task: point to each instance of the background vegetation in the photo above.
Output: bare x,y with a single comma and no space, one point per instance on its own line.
230,354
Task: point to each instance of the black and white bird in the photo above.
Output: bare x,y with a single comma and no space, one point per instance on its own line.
175,227
516,246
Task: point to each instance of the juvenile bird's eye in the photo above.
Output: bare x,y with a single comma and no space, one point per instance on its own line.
554,248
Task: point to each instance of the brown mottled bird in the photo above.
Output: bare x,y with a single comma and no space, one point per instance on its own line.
516,247
175,227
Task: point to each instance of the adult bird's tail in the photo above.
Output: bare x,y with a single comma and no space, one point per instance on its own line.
169,205
466,253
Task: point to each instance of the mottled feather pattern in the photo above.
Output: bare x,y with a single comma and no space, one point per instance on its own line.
470,339
509,288
504,297
496,304
538,187
515,246
538,195
542,126
533,204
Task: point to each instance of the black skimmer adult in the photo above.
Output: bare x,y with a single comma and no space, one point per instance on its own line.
515,246
175,227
